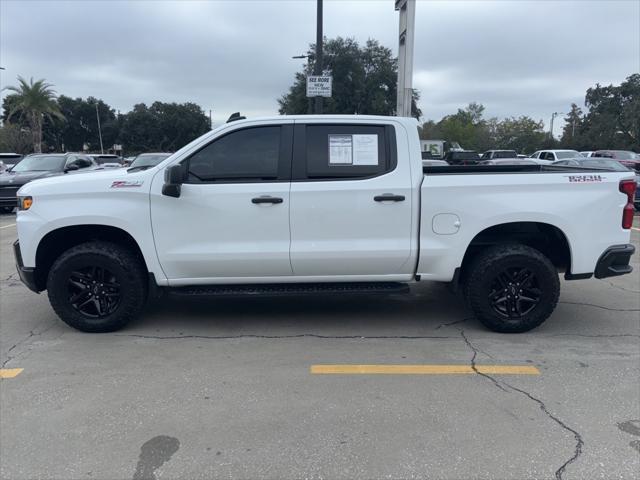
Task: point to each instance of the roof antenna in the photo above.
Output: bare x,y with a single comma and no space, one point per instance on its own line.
235,116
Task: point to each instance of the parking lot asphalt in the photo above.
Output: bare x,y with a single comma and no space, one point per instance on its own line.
238,388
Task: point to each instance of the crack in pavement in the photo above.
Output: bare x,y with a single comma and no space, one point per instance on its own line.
298,335
594,335
619,287
452,323
498,383
32,333
603,307
10,277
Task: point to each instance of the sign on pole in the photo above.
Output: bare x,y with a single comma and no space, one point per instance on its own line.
319,85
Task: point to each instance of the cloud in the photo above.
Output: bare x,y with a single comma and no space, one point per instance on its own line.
516,57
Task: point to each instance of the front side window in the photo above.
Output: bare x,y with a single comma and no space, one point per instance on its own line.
84,162
247,154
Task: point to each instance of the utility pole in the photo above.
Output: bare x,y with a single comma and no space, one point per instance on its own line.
407,22
319,40
99,129
553,117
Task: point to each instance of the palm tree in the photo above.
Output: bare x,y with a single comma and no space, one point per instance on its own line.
35,101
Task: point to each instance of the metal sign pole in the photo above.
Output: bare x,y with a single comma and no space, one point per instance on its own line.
407,22
319,39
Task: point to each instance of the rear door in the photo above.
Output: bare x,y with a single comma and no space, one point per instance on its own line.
231,220
351,202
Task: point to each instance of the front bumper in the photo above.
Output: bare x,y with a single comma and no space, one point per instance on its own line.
615,261
27,274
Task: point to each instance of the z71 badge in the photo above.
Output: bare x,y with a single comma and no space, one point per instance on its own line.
585,178
127,183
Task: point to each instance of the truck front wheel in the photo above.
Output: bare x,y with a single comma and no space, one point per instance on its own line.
97,286
512,288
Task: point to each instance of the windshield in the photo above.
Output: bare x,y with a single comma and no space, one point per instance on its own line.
149,160
505,154
568,154
40,163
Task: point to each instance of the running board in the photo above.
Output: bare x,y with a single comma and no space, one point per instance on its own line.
291,289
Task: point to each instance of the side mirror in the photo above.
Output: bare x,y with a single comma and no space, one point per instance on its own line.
174,177
71,167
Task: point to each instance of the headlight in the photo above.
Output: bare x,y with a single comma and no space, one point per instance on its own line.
24,203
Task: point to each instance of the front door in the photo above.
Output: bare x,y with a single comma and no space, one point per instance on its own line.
231,220
351,202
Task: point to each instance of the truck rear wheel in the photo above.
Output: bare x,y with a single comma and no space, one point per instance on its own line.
97,286
512,288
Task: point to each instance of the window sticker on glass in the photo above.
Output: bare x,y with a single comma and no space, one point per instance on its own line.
340,150
365,149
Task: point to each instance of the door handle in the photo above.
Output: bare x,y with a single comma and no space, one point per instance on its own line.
389,197
266,199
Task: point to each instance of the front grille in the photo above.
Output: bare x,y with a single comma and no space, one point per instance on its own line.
8,191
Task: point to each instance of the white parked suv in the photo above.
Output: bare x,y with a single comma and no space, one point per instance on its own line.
319,204
547,157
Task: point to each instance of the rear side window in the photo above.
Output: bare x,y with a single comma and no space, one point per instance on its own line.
334,152
247,154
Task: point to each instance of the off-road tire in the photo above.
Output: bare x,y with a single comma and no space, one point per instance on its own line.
484,272
122,263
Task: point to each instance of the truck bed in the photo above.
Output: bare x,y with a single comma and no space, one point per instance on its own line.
491,169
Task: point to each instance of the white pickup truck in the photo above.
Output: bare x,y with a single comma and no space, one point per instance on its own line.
319,204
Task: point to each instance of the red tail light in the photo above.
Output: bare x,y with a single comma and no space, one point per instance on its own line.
628,187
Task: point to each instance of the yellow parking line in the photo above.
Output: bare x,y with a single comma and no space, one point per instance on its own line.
10,372
7,226
423,369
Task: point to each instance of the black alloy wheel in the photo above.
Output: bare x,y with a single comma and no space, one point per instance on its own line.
94,291
514,293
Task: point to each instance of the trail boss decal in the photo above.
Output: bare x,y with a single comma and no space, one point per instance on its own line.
585,178
127,183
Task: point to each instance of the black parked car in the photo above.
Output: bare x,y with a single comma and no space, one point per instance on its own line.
464,157
36,166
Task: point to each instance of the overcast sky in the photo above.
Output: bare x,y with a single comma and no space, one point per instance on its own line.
515,57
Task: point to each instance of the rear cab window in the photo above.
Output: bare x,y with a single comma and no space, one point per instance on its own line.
336,152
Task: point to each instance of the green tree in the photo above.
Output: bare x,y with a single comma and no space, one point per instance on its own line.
466,127
34,101
364,80
613,120
469,128
571,137
162,126
15,139
522,134
80,127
